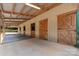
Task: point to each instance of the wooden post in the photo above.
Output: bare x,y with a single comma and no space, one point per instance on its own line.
2,25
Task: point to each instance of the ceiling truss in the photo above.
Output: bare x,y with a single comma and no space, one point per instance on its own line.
27,15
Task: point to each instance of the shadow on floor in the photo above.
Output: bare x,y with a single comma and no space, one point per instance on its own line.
14,37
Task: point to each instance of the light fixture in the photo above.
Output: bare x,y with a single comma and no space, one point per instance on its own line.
31,5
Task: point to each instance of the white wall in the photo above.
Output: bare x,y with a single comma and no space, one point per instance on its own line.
52,20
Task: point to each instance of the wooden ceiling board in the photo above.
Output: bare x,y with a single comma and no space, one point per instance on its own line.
19,6
7,6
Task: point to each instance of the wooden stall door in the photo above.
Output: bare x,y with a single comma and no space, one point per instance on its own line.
43,29
67,29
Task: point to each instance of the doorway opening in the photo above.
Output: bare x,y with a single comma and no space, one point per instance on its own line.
33,30
20,29
24,30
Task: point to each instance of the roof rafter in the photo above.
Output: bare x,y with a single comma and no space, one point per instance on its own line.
13,9
1,14
13,12
13,18
1,7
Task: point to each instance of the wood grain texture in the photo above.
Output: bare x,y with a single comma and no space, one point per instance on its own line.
43,29
67,28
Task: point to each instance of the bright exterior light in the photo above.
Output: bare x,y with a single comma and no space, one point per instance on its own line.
31,5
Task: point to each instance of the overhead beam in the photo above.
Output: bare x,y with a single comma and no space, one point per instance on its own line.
14,18
13,12
16,13
9,12
14,21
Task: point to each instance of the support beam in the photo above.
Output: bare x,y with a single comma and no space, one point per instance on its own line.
3,27
13,21
1,8
14,18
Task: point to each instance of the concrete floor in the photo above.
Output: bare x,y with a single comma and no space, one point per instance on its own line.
12,37
35,47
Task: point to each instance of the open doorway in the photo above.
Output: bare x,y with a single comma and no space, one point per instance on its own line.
11,30
33,30
20,29
24,30
43,29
